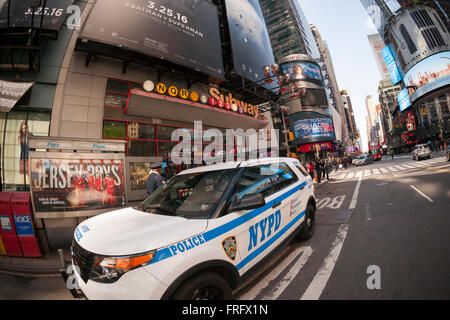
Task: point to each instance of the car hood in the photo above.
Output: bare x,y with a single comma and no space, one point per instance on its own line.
129,231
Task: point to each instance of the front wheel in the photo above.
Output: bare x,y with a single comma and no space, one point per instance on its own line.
309,223
207,286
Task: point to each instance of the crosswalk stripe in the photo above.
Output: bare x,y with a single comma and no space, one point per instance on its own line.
376,171
367,173
392,169
408,166
350,175
401,168
384,170
359,174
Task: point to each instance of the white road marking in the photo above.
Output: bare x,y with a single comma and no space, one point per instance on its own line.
384,170
422,194
359,174
287,279
355,194
376,171
392,169
275,273
320,280
400,168
367,173
351,175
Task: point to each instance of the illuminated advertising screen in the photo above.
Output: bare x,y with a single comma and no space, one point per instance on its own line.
20,14
403,100
309,128
185,32
429,74
304,71
59,185
250,40
391,63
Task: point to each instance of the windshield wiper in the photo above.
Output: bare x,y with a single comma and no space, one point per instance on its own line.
160,208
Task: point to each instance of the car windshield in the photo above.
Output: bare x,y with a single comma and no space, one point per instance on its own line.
191,196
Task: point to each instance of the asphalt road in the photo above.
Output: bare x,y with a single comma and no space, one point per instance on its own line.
382,233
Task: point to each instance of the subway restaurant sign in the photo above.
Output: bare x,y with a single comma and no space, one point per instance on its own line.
215,98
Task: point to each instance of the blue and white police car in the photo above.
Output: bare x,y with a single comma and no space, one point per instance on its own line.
196,236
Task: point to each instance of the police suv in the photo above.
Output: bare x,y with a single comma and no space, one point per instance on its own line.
196,236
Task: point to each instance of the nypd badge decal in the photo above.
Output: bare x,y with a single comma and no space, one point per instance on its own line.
230,247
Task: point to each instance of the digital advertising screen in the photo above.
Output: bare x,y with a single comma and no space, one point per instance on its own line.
59,185
403,99
20,14
312,129
304,71
185,32
250,41
391,63
429,74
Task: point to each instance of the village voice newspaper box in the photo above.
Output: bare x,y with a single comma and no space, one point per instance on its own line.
21,209
7,227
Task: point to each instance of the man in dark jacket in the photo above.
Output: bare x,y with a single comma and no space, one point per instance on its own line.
154,180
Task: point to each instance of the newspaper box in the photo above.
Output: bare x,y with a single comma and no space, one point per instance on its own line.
7,227
21,209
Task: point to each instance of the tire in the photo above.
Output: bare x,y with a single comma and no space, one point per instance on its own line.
207,286
309,224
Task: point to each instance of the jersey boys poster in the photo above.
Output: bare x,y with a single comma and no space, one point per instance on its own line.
75,185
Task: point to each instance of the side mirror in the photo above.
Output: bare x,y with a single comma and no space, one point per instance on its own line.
248,202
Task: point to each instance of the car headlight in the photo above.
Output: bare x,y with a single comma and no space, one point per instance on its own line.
110,269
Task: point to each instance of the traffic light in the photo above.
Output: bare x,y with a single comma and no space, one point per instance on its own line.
291,136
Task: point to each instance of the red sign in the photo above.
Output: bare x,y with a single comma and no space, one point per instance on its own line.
313,147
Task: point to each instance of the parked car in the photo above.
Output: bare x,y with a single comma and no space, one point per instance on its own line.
421,151
198,235
363,160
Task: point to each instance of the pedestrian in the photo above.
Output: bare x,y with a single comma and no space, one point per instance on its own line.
319,168
311,169
327,169
392,154
154,180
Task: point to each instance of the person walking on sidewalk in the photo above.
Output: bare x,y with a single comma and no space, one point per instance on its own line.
311,169
327,169
392,154
319,169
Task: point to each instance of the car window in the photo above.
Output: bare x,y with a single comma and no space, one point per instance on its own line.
302,170
267,179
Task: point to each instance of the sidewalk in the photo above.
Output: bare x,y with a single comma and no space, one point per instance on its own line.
49,264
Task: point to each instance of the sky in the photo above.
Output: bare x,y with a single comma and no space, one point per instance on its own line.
345,25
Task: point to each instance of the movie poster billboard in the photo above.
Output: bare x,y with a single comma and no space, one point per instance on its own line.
20,14
60,185
139,172
314,130
185,32
250,42
304,71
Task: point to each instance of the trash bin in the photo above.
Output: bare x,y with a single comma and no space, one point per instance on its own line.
7,227
20,207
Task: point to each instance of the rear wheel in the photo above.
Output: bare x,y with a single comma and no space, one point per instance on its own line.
309,224
207,286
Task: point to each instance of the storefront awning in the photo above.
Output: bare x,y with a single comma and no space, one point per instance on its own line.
146,104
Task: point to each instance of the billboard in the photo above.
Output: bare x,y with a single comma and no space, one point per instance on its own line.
403,100
250,40
391,63
184,32
60,185
303,71
313,129
429,74
20,15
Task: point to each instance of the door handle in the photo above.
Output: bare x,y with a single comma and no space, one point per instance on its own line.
276,205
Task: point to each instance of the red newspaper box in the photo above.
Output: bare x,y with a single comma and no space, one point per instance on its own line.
7,227
20,207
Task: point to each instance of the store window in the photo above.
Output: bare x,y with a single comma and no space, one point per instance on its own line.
117,92
433,112
114,130
443,104
17,127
